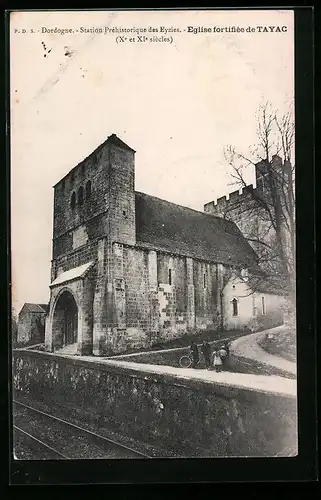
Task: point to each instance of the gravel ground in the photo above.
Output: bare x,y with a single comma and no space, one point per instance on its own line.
26,449
69,441
100,426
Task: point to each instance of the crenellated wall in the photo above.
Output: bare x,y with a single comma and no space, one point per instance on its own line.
243,208
249,216
236,203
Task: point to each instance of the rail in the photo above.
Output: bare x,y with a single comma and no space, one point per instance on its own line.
82,429
44,445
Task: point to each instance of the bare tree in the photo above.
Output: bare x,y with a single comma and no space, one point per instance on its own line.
269,224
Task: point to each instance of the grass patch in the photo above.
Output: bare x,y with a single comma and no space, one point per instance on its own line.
282,344
210,335
29,345
169,353
185,341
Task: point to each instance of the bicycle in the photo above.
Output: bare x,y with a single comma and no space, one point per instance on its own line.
186,361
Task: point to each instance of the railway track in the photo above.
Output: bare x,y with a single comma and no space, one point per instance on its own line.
58,439
29,445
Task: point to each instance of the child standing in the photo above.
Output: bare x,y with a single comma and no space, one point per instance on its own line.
217,362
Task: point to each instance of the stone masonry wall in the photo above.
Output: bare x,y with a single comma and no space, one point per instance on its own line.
107,211
205,284
172,295
156,297
95,168
239,207
88,219
75,258
67,243
165,296
184,416
137,296
31,328
100,299
87,230
121,195
250,218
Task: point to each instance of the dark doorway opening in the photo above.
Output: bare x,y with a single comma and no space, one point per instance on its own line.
65,321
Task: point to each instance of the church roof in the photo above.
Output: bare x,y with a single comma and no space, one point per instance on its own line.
35,308
180,230
111,139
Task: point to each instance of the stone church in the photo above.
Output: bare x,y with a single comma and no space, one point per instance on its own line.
130,270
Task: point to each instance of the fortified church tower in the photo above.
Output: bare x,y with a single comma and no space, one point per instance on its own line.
94,206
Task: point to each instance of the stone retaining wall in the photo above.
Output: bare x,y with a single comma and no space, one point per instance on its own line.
186,416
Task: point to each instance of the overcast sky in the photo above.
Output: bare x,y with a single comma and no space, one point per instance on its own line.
177,104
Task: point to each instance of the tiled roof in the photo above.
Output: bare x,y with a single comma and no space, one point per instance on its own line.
180,230
36,308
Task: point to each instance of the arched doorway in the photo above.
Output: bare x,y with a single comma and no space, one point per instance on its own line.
65,321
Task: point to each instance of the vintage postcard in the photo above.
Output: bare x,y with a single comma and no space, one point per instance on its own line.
153,234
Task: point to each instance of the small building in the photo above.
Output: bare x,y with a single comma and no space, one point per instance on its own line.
252,303
31,324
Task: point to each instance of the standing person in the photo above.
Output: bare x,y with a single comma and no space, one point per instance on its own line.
223,353
217,362
206,350
195,354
